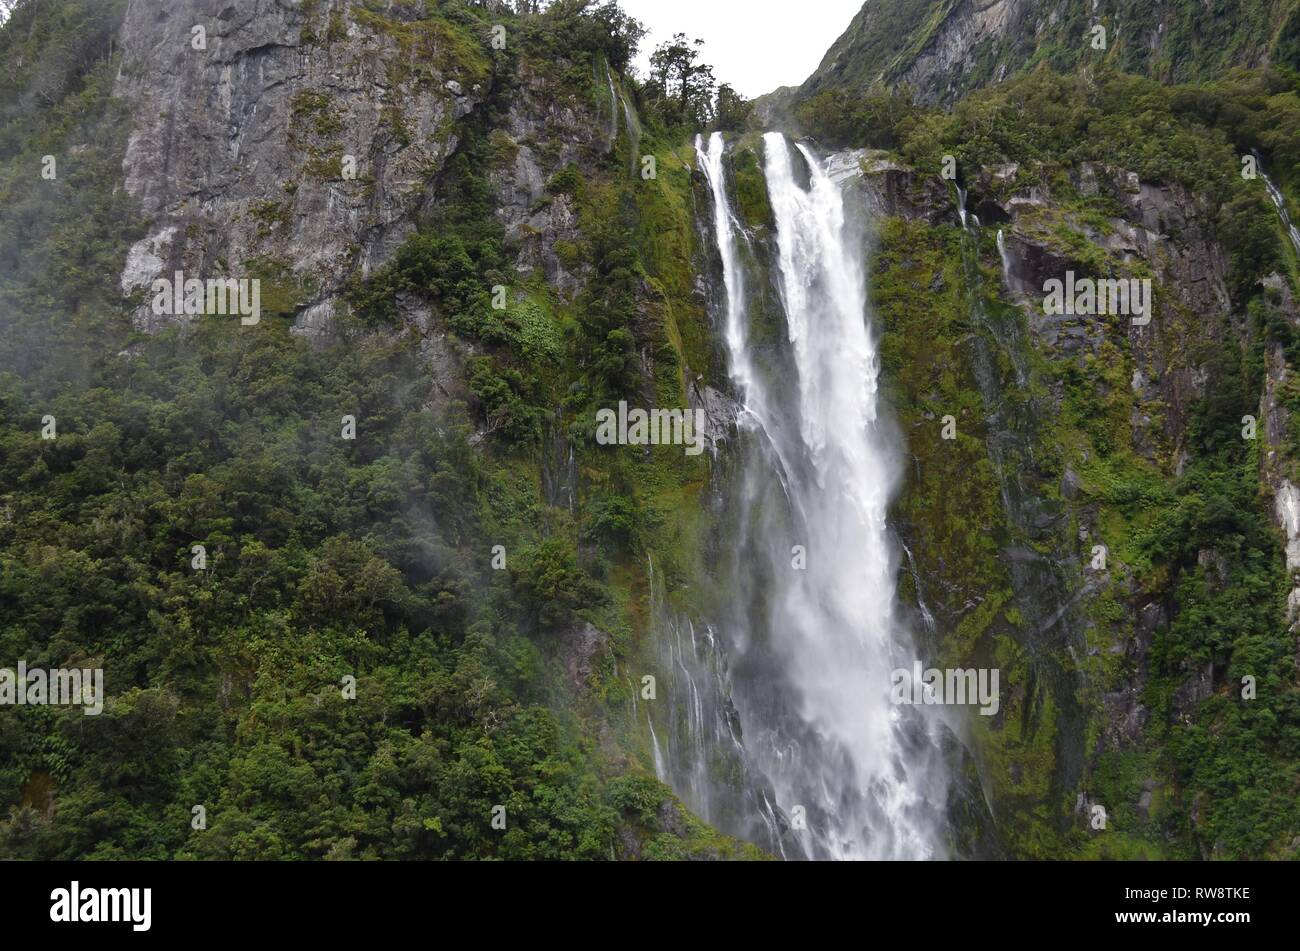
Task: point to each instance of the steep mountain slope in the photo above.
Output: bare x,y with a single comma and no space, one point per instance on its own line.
941,49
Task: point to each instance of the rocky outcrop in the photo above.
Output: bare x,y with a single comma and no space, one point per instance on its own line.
584,645
721,412
278,139
302,144
537,223
1163,232
892,189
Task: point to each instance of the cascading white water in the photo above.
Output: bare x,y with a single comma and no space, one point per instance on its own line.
1006,261
612,137
1279,202
969,219
821,727
725,227
752,388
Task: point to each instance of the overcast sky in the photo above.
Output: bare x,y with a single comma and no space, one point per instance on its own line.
756,45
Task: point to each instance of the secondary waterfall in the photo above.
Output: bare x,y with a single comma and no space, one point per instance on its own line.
1279,202
612,138
813,630
1008,273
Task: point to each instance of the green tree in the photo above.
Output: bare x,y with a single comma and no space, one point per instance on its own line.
682,82
733,111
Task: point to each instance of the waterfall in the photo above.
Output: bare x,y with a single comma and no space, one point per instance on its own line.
921,606
725,228
612,136
660,770
813,665
1006,261
728,230
1279,201
611,133
750,384
969,219
633,135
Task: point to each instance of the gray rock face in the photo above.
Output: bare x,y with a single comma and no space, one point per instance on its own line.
1165,232
1288,516
938,68
238,150
1275,471
538,224
1144,804
941,55
1126,718
584,644
893,189
1198,686
721,413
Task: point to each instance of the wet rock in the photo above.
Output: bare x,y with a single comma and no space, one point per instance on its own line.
1126,718
1144,805
1084,179
1287,510
891,189
992,213
539,225
721,413
583,646
316,319
1198,686
670,818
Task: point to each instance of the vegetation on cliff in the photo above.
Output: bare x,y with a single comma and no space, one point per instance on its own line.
329,559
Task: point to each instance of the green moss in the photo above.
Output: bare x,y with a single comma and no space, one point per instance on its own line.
950,502
282,291
749,188
665,236
324,166
269,216
504,149
337,29
451,49
1018,748
567,181
534,331
392,118
316,107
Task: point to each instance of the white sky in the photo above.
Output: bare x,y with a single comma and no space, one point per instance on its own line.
756,45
